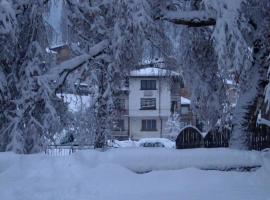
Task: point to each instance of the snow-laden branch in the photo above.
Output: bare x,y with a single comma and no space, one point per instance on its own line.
61,71
189,18
72,64
7,18
262,121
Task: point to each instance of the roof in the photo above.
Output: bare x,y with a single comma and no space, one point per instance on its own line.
58,46
153,72
185,101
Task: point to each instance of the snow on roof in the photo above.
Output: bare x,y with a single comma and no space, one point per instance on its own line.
153,71
57,46
152,61
185,101
230,82
48,50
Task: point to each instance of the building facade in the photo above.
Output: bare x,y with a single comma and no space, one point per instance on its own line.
152,96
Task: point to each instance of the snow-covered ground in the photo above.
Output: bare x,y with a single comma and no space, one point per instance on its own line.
110,175
131,143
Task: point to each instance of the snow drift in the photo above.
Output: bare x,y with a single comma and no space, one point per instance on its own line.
109,175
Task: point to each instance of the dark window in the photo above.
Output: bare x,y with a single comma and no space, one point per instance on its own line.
120,104
119,125
149,125
148,85
174,106
148,104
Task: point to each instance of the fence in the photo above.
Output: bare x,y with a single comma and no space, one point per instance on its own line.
260,138
191,137
217,138
64,150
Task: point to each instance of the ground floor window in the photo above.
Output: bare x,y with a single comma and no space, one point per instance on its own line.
119,125
149,125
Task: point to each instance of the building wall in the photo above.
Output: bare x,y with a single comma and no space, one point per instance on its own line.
187,118
123,134
137,133
185,93
162,95
163,105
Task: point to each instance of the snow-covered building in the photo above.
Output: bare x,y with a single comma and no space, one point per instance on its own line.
153,95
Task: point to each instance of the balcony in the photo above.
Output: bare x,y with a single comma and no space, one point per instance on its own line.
122,111
120,134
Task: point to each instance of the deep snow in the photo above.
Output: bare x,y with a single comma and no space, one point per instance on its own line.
109,175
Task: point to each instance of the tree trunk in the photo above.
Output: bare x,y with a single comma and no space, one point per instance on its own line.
248,104
100,137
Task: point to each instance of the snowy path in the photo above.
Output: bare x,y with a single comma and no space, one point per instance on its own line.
91,175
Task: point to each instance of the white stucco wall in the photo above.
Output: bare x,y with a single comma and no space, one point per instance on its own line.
162,95
136,124
163,105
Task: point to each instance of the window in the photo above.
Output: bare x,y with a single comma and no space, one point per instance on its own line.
149,125
174,106
120,104
119,125
148,85
184,110
148,104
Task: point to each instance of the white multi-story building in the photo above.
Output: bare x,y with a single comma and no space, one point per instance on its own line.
152,96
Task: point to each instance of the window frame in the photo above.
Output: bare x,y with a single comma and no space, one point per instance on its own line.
174,106
121,104
119,125
149,125
149,84
145,107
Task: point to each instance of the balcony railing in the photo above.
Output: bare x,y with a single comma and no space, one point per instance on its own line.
119,132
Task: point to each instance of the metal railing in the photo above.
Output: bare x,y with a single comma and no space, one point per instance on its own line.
65,150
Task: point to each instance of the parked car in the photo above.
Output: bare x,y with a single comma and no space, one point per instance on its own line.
156,142
151,144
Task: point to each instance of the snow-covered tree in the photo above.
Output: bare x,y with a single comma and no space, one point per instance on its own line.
224,39
240,41
201,74
174,125
124,25
30,110
253,75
